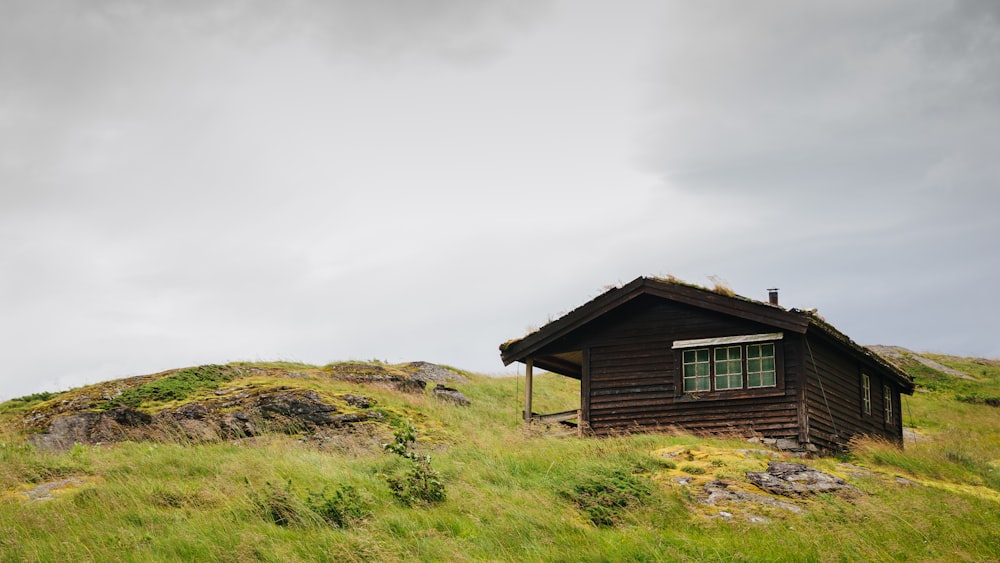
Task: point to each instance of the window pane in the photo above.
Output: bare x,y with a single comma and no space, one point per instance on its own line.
729,382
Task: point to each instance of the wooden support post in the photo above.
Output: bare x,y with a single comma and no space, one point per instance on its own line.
528,364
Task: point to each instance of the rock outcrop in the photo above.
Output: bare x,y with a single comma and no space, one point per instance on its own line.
233,413
796,480
218,402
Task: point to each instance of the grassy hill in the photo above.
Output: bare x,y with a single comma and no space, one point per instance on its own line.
488,491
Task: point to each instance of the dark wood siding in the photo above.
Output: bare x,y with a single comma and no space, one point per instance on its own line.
633,376
834,398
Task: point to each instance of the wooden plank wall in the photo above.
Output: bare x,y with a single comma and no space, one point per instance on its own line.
836,391
633,377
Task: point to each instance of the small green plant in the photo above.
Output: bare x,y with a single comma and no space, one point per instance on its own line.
339,508
692,469
421,483
604,496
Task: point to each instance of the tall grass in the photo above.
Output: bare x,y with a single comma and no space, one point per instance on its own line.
509,494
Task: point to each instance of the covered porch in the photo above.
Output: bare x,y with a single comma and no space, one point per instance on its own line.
567,364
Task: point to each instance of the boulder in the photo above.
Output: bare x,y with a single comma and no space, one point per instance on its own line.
796,480
451,395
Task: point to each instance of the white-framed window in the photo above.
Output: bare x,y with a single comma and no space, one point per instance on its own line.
728,367
760,365
697,370
866,393
887,400
728,363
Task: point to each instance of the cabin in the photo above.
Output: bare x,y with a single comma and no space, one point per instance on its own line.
658,354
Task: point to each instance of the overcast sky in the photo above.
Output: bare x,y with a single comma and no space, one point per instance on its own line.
205,181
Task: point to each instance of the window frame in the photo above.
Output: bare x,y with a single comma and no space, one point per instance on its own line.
866,394
887,405
711,345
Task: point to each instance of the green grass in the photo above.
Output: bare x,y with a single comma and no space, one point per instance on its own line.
175,387
511,495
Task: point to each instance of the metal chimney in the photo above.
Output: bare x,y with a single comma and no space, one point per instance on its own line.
772,296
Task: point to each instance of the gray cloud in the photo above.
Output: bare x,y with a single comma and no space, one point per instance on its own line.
189,182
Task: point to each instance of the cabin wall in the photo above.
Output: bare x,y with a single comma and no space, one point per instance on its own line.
834,388
633,376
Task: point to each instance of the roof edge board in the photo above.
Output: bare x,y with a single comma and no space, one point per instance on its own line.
604,303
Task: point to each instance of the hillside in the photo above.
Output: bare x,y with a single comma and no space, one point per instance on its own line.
285,462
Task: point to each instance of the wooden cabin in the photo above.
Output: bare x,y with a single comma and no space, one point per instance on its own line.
660,354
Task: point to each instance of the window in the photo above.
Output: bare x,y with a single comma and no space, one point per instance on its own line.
887,399
697,371
728,363
760,365
729,367
866,393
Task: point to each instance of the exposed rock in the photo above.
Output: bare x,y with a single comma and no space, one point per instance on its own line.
66,431
719,493
406,385
901,358
427,371
797,480
236,414
450,394
358,401
200,430
301,405
788,444
48,491
128,417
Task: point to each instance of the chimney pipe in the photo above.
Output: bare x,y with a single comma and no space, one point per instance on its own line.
772,296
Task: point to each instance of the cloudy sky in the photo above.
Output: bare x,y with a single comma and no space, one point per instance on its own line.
205,181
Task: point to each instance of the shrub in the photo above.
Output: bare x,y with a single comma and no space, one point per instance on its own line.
421,484
604,496
340,508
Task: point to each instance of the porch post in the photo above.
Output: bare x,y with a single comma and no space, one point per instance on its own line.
528,364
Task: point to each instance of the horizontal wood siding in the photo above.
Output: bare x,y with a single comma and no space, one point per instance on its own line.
633,376
834,399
